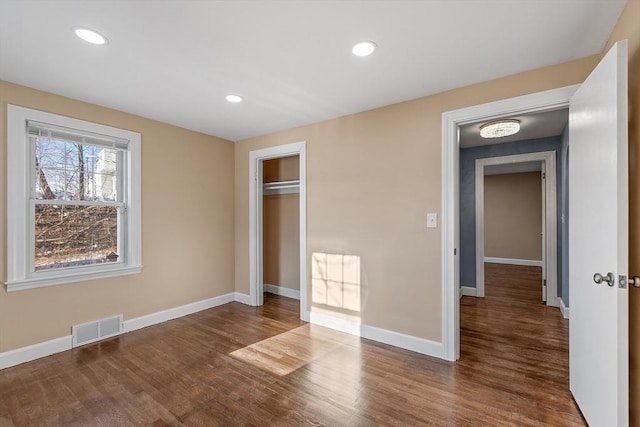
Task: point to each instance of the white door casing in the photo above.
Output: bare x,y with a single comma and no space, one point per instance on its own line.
256,157
549,215
536,102
598,242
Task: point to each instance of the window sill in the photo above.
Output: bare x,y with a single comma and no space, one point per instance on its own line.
41,282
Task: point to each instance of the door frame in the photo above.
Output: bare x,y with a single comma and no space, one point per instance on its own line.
451,120
256,279
550,245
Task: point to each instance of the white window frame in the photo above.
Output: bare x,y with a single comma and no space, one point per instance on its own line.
20,222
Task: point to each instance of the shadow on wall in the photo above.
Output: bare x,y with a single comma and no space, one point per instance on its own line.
336,285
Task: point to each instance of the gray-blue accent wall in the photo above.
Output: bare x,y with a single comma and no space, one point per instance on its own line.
468,157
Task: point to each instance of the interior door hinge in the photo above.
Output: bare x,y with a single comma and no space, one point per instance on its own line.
544,175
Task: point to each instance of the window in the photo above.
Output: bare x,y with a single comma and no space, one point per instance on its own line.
73,200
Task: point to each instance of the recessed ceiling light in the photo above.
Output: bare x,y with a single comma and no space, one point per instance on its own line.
234,98
90,36
500,128
363,48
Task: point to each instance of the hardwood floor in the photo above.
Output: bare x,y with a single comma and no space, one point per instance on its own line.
241,365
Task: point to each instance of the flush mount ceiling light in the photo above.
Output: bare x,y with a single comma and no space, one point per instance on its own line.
233,98
363,48
90,36
500,128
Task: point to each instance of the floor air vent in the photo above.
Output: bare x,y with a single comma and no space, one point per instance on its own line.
97,330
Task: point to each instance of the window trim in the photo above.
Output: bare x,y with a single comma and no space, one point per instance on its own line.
19,223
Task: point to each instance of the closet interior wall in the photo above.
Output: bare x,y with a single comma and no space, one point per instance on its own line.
281,224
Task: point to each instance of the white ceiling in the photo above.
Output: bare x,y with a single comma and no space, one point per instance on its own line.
532,126
174,61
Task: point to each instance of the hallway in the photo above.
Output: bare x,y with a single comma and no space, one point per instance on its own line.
517,346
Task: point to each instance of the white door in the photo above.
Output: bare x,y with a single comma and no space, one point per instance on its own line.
598,243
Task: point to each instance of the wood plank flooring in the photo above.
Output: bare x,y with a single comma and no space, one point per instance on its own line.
241,365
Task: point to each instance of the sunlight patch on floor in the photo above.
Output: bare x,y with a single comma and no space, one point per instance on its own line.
291,350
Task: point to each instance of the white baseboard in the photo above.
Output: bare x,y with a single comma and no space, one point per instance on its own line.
242,298
397,339
35,351
174,313
514,261
57,345
468,291
563,308
279,290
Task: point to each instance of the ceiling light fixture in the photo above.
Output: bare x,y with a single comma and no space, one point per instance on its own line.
363,48
90,36
500,128
234,98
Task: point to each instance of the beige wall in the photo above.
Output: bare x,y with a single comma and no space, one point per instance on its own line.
371,179
628,27
513,216
187,228
281,225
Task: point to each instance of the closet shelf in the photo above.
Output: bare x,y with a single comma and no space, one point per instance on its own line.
281,187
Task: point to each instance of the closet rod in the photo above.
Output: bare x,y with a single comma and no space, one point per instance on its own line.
281,187
282,184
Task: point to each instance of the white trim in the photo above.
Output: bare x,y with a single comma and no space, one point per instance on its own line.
541,101
514,261
22,285
551,220
174,313
450,256
563,308
35,351
282,291
19,226
397,339
242,298
256,158
467,291
57,345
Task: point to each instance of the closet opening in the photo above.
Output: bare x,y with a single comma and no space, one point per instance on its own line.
278,224
281,226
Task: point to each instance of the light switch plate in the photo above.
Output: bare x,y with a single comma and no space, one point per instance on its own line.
432,220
